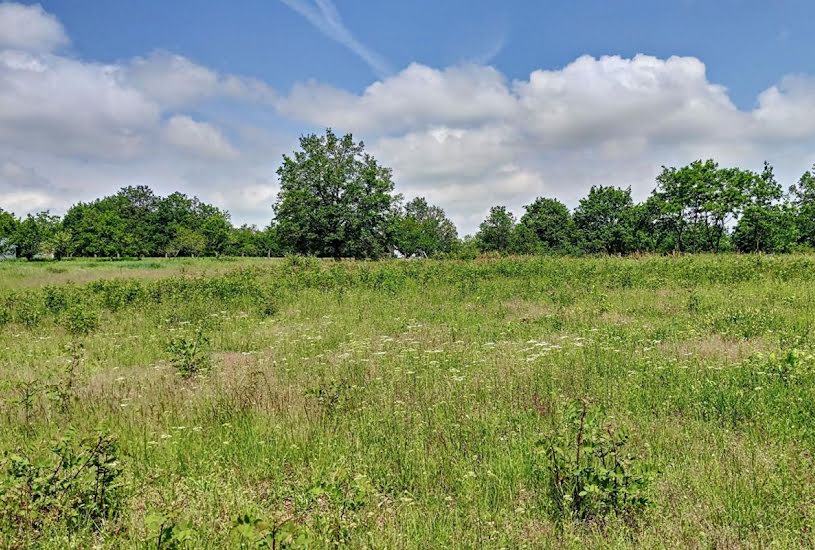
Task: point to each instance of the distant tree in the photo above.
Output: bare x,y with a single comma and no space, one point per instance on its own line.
216,230
98,228
495,232
243,241
188,242
268,243
766,229
8,225
695,203
605,221
551,223
803,198
138,207
33,232
765,226
423,229
58,245
335,200
525,241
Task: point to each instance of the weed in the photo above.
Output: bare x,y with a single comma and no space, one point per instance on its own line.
591,474
79,487
168,532
188,353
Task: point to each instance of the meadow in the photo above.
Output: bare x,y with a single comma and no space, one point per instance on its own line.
498,403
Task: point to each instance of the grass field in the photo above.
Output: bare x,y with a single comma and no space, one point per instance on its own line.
412,404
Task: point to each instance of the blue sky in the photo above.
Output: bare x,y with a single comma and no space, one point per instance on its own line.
471,103
747,45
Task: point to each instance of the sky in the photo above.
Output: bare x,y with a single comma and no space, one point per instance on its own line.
472,104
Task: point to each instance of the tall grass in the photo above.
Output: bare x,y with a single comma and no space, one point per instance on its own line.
411,404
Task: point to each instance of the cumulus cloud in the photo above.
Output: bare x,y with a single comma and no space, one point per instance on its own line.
30,28
197,138
68,107
173,80
419,97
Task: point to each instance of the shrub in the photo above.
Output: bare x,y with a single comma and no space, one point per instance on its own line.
249,531
78,488
80,320
188,353
591,475
167,532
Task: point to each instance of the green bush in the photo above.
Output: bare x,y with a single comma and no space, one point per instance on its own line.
590,473
188,353
78,488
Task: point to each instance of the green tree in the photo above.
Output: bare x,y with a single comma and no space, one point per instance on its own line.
605,220
98,228
765,226
216,230
188,242
8,224
33,232
423,229
524,241
335,200
495,232
803,197
551,224
138,207
58,245
694,204
268,243
766,229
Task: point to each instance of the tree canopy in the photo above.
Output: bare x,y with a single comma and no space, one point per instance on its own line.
335,200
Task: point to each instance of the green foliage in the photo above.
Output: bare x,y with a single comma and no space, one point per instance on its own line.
422,229
495,233
803,196
167,532
249,531
335,200
551,224
80,319
188,353
591,474
78,488
34,232
605,221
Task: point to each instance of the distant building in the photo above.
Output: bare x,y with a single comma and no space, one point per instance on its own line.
8,251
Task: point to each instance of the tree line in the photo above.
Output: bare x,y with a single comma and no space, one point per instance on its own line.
336,200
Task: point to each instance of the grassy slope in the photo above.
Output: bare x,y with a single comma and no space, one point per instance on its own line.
404,390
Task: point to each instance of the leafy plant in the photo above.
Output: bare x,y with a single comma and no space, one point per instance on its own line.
79,487
591,474
168,532
249,531
188,353
80,320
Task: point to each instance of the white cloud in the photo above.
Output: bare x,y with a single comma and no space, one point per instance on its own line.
29,28
198,138
325,17
419,97
173,80
64,106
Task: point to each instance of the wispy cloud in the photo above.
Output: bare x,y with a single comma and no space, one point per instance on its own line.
486,57
325,17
